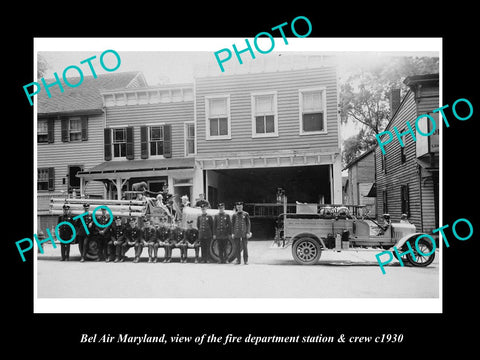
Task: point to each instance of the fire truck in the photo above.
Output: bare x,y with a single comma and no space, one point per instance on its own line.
337,228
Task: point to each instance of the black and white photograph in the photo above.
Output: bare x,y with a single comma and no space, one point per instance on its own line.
293,182
188,176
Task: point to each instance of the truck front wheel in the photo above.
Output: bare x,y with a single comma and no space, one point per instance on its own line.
306,251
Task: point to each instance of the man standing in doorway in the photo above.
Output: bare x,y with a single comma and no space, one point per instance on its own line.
241,232
205,232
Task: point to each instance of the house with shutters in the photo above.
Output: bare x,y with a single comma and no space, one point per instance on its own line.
407,178
148,135
70,138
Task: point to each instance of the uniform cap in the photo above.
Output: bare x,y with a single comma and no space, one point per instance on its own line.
66,206
86,205
221,205
189,221
239,203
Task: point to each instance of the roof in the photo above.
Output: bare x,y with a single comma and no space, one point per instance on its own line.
86,97
115,167
358,158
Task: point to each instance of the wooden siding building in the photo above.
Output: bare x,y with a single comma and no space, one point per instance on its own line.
269,126
149,135
70,138
359,182
408,177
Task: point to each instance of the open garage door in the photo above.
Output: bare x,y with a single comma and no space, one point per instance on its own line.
305,184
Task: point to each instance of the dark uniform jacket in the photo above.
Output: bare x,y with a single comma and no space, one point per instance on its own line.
240,224
117,232
177,235
149,234
205,226
102,231
191,235
163,233
80,229
134,234
65,231
222,226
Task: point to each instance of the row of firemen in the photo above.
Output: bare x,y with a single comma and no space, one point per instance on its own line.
115,240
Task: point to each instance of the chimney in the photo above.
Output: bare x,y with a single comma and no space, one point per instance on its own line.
394,101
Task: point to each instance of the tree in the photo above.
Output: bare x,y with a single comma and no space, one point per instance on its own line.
42,66
365,94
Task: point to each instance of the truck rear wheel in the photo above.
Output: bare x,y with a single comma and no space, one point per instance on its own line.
421,260
306,251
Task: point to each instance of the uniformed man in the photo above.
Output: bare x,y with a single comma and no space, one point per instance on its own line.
191,237
182,243
205,232
241,232
133,236
222,231
102,233
117,239
65,232
82,235
201,201
163,236
149,237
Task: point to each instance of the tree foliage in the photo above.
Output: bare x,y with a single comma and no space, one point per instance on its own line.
365,96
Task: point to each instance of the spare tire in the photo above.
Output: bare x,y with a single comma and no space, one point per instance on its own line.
231,250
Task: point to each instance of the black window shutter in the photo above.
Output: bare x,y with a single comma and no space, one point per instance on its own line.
51,178
107,138
84,128
144,142
64,122
51,130
130,154
167,141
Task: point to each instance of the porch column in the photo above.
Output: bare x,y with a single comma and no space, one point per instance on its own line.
119,188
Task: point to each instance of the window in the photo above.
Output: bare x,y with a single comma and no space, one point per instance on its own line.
405,198
264,114
189,139
218,118
312,111
75,129
119,142
403,156
46,178
156,140
42,131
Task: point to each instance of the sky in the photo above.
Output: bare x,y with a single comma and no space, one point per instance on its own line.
177,66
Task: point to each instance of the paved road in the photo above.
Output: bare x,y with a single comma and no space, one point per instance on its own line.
271,273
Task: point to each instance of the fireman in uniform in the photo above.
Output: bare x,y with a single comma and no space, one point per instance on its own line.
82,235
117,239
65,232
182,242
222,230
241,231
133,237
149,237
102,233
163,235
205,232
191,237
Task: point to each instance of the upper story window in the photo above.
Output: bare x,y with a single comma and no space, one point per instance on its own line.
119,142
42,131
189,139
75,129
218,117
312,111
156,140
264,114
